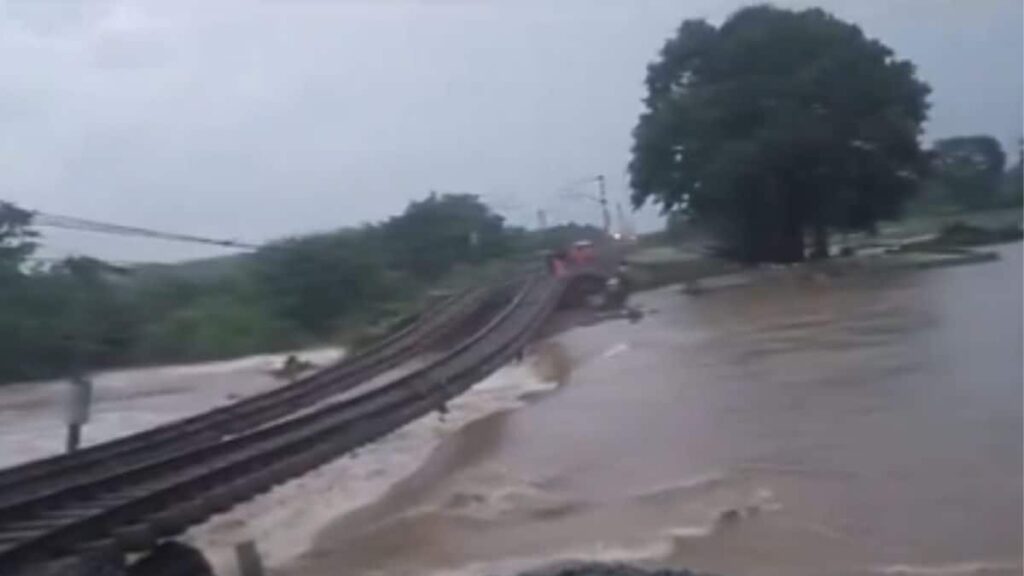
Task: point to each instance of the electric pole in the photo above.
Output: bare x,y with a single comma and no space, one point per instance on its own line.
625,226
602,197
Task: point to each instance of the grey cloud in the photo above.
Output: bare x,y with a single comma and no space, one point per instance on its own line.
259,119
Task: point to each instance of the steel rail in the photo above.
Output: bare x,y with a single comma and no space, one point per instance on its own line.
41,476
131,508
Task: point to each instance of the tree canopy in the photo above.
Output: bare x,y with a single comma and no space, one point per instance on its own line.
16,239
1013,182
433,234
777,124
81,313
970,168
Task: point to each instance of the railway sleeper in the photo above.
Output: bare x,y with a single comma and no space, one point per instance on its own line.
103,545
135,537
222,498
175,519
68,513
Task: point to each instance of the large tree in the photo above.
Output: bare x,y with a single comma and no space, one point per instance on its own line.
778,124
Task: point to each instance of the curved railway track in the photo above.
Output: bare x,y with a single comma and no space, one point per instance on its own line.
49,474
127,504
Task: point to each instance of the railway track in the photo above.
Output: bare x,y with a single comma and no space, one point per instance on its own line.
130,505
39,477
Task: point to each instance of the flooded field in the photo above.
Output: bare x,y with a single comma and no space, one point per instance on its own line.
865,424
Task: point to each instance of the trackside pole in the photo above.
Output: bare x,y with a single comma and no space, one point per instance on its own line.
79,401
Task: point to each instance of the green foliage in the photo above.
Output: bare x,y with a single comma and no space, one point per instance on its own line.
435,234
62,318
324,281
213,326
83,314
1013,180
16,236
960,234
20,335
970,170
967,174
313,281
776,124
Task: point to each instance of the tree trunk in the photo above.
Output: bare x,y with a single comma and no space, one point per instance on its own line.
820,242
792,249
791,235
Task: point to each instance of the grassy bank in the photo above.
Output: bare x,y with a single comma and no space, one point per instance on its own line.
646,272
919,242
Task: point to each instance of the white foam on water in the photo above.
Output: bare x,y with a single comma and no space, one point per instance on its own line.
697,483
977,568
491,492
616,350
690,532
284,522
656,549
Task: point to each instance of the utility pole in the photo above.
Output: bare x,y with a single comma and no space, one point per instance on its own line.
602,197
625,226
79,400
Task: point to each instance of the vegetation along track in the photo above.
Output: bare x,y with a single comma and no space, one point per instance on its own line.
30,481
132,506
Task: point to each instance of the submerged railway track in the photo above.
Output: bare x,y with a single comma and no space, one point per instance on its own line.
128,494
46,474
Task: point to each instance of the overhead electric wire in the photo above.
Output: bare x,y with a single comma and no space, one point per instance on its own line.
49,220
572,186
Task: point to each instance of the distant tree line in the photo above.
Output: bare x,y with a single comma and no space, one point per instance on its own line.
971,173
83,314
778,127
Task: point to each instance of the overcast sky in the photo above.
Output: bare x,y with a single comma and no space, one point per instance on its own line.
254,120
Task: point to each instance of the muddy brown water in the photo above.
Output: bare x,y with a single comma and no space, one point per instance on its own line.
866,424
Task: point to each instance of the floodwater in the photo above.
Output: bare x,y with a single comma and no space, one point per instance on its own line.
33,414
803,424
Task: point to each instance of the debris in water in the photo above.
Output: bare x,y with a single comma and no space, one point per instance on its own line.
292,367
